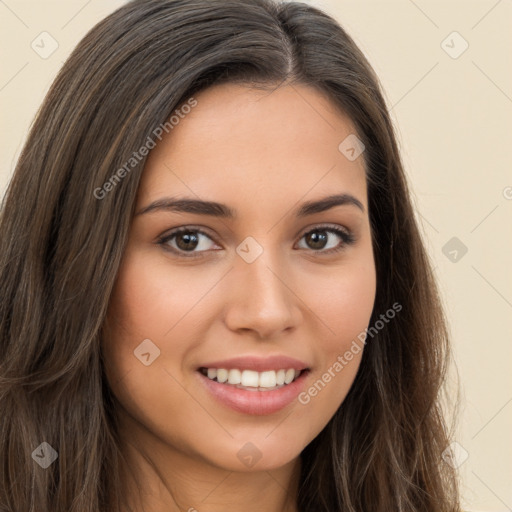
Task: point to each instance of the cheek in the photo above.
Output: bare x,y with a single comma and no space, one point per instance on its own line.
152,301
342,299
351,302
147,302
343,305
143,306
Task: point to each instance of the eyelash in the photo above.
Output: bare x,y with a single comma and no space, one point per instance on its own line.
347,239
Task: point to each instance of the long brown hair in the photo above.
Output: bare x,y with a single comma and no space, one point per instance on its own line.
61,246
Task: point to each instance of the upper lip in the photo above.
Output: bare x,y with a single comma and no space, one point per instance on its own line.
259,364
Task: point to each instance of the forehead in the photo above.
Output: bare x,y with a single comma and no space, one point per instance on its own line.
280,144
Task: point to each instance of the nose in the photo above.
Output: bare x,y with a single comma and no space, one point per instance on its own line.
262,298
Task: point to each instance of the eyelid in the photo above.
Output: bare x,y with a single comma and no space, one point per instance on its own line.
325,225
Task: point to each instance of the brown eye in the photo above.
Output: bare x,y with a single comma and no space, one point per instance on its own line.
319,238
186,240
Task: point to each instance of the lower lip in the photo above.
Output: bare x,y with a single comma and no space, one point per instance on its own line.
255,402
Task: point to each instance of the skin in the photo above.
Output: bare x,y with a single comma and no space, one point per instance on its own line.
262,153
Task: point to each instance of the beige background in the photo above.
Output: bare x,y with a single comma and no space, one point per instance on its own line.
454,119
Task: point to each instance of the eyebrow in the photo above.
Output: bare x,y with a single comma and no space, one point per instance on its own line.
200,207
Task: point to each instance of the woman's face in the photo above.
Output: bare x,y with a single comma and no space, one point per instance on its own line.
247,297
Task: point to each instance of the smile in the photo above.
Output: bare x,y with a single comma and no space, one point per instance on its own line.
263,395
252,380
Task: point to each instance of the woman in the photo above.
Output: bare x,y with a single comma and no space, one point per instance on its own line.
214,290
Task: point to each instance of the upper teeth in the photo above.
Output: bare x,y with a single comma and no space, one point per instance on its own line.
250,378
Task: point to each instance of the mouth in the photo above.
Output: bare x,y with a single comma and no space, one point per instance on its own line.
251,380
252,384
253,392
